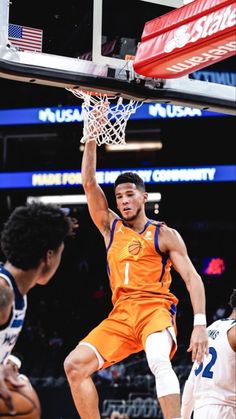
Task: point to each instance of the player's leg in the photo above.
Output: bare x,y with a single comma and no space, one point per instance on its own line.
158,348
79,365
108,343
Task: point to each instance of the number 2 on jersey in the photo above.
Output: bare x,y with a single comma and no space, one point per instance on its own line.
207,373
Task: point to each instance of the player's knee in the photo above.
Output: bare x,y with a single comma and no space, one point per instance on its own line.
159,364
74,367
81,363
166,380
69,366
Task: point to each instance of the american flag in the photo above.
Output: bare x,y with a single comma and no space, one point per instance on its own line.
25,38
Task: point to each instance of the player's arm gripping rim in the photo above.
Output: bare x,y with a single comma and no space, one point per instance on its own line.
100,213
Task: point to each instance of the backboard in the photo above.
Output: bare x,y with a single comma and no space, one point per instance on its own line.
86,45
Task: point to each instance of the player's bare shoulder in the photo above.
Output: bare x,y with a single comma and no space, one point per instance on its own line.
169,238
232,337
165,230
4,283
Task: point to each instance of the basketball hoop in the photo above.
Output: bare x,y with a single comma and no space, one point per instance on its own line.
102,120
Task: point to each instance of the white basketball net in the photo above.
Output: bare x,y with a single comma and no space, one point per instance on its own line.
103,121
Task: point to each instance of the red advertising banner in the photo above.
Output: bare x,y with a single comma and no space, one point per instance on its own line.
187,39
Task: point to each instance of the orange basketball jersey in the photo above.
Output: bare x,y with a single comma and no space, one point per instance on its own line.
136,266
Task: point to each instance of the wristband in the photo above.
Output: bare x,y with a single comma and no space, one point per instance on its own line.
199,319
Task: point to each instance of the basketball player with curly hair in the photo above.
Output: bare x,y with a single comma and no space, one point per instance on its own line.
140,253
32,241
210,390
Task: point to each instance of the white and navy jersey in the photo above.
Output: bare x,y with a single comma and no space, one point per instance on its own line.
10,332
214,379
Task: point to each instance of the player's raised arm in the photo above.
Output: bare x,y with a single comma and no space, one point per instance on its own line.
172,243
97,202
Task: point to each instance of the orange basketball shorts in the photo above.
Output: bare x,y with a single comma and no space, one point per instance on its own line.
125,330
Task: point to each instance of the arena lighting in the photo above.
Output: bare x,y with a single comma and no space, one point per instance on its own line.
135,146
77,199
58,199
154,196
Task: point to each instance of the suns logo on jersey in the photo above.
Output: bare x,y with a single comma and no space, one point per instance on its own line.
134,248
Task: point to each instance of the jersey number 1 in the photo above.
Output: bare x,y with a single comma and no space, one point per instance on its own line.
126,280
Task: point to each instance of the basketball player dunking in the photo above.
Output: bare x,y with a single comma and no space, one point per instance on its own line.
32,241
139,253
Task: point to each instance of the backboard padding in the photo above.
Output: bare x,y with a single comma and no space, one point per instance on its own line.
78,31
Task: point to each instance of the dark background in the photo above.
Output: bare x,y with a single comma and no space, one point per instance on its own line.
78,297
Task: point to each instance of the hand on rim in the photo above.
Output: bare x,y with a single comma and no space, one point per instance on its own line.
98,119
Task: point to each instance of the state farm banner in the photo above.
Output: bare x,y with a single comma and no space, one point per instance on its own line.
187,39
